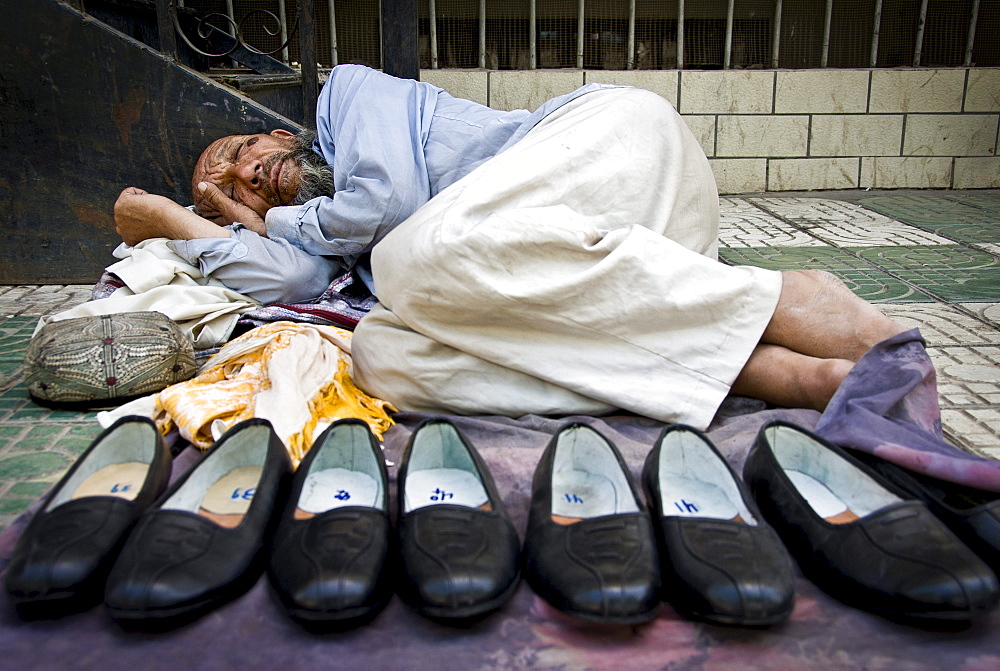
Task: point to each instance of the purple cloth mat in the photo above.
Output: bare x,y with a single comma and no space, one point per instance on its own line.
888,406
253,632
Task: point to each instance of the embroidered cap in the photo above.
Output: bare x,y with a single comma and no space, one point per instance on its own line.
105,360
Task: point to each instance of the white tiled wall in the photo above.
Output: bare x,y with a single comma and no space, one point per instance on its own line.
791,130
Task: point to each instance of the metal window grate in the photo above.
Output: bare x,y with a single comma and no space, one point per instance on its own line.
645,34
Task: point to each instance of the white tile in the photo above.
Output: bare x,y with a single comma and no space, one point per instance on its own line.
983,91
726,92
906,172
512,89
469,84
944,325
703,128
809,211
663,82
968,432
845,224
821,92
967,376
744,225
844,234
808,174
919,90
41,300
856,135
979,172
739,175
761,135
988,312
950,135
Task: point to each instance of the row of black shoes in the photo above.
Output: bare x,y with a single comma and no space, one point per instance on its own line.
863,532
158,556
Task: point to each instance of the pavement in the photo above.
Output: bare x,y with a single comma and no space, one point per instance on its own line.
929,259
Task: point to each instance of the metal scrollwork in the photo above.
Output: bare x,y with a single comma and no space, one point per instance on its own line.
206,30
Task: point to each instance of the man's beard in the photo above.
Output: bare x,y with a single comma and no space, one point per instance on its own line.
316,175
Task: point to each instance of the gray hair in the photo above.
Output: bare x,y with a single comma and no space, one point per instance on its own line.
317,175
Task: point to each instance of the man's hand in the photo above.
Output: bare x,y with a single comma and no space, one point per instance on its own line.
228,211
140,215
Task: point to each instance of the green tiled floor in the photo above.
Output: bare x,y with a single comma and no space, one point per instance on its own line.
37,445
929,259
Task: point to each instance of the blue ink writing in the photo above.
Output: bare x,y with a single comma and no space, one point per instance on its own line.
687,507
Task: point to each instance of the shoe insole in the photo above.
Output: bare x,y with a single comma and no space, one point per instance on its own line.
434,486
688,497
334,488
229,497
578,495
827,505
123,480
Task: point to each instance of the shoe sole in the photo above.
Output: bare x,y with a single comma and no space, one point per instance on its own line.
343,617
733,621
177,615
468,612
629,620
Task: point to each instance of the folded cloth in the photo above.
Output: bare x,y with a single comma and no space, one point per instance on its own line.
157,279
345,301
888,406
298,376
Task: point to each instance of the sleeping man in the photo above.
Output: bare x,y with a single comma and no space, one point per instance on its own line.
555,262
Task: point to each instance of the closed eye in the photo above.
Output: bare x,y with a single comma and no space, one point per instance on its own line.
239,148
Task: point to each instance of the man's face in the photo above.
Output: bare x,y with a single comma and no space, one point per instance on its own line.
259,171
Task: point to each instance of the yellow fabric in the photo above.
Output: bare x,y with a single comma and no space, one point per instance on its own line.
296,375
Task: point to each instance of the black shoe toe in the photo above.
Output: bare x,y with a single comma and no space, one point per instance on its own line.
458,562
329,560
707,526
859,541
459,552
589,550
61,562
203,543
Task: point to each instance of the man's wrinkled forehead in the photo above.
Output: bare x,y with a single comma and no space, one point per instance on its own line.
217,151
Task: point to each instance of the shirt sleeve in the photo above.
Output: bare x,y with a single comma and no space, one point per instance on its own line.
371,128
269,271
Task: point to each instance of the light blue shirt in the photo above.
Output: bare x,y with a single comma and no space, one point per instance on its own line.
393,145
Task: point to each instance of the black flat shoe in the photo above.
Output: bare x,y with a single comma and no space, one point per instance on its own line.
719,560
204,541
328,559
62,559
972,514
458,548
589,550
857,540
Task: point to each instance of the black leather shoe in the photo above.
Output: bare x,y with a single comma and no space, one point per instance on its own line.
458,548
972,514
857,540
62,559
708,529
204,541
328,559
589,550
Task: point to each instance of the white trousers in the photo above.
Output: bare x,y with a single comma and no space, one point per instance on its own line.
575,273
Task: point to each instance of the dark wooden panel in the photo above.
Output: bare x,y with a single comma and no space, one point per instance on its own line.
84,112
400,55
